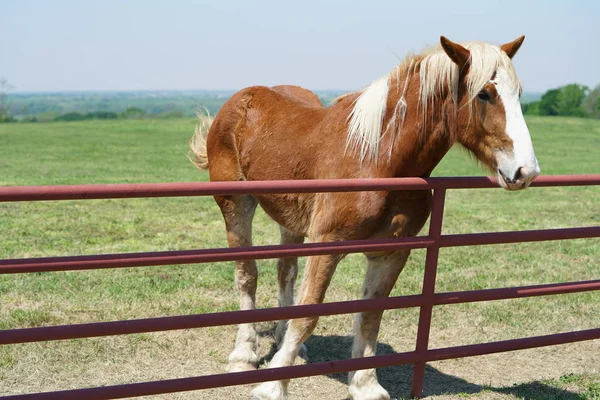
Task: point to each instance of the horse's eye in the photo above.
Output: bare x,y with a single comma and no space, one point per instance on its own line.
483,95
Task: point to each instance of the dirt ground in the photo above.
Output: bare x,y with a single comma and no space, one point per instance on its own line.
175,354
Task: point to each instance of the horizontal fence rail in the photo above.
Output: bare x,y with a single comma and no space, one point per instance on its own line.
426,300
97,329
186,189
123,260
202,256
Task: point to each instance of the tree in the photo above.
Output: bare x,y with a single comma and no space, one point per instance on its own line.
5,87
566,100
570,100
549,103
133,113
532,108
591,104
71,116
101,115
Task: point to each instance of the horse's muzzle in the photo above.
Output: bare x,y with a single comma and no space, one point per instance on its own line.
518,179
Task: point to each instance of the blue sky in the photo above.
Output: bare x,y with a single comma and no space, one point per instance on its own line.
62,45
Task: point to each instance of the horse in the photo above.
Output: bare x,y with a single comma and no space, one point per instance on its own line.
401,125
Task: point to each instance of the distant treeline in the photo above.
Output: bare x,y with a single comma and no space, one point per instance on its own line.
152,102
130,113
572,100
47,107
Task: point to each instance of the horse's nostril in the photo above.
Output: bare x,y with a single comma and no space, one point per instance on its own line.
518,174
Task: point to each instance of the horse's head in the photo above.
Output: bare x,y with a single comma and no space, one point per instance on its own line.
490,120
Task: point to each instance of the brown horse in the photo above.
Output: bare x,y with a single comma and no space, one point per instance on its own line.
399,126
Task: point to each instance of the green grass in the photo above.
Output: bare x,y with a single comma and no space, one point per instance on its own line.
95,152
154,151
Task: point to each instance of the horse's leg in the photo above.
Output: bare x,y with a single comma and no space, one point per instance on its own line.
382,273
287,271
319,270
238,212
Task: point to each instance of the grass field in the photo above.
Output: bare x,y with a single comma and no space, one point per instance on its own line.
154,151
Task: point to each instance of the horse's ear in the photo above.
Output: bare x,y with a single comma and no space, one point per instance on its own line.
511,48
457,53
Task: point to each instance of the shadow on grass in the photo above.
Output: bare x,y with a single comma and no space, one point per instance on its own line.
397,379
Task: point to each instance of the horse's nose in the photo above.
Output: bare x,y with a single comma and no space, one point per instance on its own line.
519,178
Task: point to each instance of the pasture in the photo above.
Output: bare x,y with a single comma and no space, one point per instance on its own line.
154,151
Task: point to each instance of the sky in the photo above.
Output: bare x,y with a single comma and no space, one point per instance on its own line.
77,45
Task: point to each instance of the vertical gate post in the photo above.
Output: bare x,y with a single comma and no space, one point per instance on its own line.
431,260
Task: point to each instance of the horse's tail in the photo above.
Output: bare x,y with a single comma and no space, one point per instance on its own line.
198,141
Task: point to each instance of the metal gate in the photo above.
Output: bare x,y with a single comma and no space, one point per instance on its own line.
426,300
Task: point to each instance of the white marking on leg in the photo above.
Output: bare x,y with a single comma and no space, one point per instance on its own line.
382,273
312,292
285,356
286,296
287,271
363,384
244,356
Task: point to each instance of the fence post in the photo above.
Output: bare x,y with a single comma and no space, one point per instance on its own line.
431,260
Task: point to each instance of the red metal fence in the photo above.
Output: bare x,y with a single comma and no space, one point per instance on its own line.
429,298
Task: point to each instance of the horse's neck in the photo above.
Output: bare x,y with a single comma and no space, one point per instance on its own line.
417,144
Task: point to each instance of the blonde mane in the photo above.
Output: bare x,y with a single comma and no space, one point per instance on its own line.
366,119
437,74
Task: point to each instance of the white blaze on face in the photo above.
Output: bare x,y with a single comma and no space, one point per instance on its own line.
521,163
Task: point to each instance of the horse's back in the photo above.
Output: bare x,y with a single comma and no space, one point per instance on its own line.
300,94
259,132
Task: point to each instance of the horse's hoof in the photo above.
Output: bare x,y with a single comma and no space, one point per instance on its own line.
373,391
240,367
270,391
